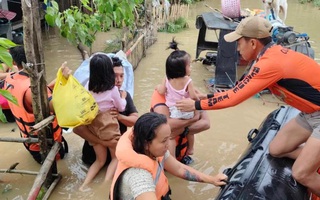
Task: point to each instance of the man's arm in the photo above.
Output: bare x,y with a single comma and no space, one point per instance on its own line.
177,125
201,125
85,133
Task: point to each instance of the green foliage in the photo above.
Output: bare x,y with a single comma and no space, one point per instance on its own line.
6,58
176,26
41,194
6,94
190,1
304,1
79,25
315,2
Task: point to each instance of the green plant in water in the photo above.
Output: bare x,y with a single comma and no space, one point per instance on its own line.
6,58
80,25
113,45
187,1
176,26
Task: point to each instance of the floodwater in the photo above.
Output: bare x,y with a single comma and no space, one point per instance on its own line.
215,149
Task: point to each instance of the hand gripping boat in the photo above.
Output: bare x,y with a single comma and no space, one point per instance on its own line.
257,175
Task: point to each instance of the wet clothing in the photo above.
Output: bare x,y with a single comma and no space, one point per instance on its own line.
291,76
172,96
105,126
88,154
128,162
17,84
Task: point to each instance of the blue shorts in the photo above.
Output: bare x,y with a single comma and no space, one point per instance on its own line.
310,122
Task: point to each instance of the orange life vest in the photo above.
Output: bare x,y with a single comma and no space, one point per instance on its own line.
17,84
128,158
181,140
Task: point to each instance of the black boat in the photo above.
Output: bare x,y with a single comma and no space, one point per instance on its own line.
258,175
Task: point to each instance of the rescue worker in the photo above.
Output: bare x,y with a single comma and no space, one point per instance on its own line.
18,84
291,76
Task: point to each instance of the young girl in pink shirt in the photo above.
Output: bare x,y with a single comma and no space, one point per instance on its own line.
178,85
101,85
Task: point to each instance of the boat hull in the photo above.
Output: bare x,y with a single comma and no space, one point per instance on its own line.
258,175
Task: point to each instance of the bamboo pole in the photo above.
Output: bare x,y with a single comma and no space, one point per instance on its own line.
45,122
135,44
44,170
24,140
27,172
52,186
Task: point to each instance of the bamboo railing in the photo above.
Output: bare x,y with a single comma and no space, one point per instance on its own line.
41,176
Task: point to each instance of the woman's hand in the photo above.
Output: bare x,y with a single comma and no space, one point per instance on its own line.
219,179
65,70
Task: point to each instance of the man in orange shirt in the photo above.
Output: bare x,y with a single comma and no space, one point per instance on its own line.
291,76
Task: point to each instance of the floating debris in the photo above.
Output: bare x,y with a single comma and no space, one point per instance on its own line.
7,188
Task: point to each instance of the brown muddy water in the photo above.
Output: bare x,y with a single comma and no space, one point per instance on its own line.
215,149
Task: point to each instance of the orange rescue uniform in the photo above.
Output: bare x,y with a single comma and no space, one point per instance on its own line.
293,77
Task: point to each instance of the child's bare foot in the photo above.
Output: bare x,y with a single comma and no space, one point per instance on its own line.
84,188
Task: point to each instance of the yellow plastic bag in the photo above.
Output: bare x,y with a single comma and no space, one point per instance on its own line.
72,103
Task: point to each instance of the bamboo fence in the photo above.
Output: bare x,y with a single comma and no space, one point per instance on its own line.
175,11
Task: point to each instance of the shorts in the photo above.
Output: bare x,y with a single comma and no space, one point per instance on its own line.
177,114
310,122
105,126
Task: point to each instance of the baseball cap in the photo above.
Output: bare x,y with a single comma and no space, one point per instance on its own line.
252,27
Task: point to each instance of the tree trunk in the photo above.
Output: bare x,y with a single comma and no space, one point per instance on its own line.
64,4
36,70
